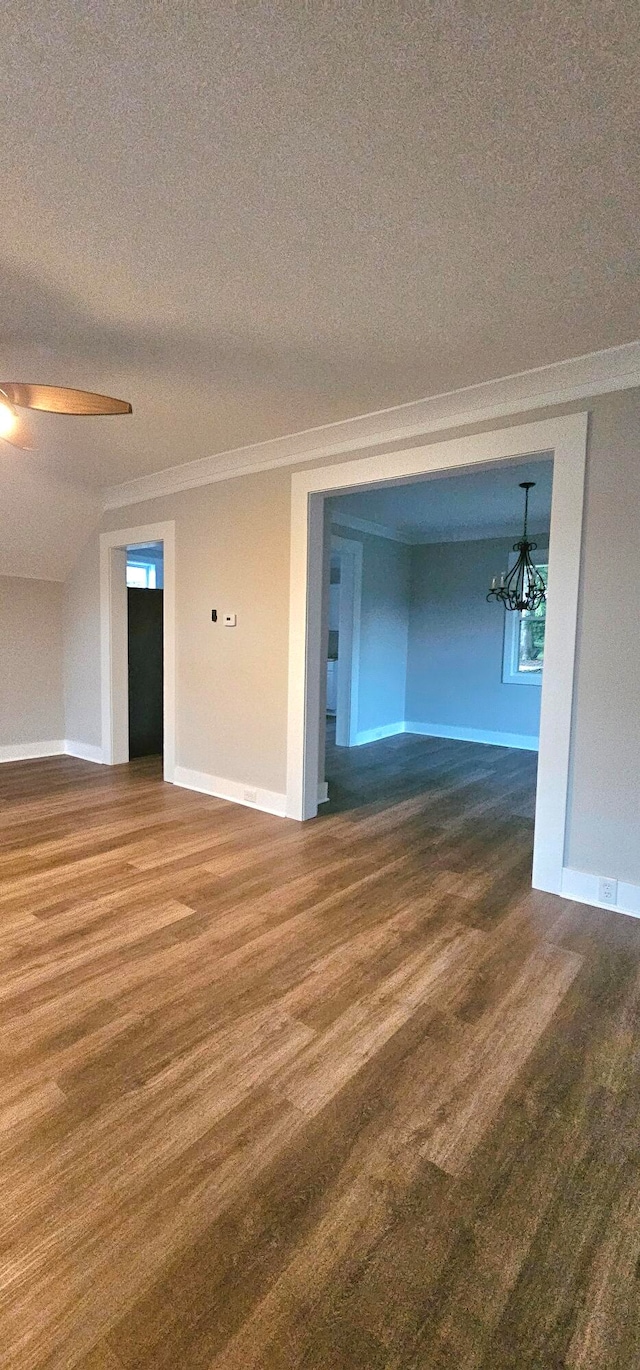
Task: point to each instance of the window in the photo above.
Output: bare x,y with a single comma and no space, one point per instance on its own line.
523,657
141,575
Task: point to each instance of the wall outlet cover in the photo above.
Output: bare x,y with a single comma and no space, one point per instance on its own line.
608,890
229,620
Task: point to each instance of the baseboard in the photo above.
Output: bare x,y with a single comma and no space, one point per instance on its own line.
269,801
84,751
377,734
521,741
584,888
31,751
323,792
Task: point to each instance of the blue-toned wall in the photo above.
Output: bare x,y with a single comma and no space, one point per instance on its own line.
384,626
454,668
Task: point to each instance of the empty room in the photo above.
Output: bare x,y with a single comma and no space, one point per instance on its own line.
320,687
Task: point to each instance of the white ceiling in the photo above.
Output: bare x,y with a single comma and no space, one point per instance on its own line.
474,504
249,220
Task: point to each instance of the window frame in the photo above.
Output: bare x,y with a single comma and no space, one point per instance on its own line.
148,567
511,639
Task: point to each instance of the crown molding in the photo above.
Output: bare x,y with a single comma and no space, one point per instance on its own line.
377,530
414,538
596,373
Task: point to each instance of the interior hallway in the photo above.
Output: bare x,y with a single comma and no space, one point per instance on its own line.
345,1093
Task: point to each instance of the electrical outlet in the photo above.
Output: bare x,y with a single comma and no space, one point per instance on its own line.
608,891
251,796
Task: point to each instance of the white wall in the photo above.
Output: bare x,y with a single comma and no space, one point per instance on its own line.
31,708
232,553
454,670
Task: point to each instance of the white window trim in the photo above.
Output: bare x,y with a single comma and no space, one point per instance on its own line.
510,673
149,568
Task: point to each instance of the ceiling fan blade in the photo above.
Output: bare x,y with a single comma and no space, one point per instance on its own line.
59,399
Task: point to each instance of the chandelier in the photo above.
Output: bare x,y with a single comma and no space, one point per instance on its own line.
523,586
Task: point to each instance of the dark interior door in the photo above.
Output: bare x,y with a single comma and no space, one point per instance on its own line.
145,672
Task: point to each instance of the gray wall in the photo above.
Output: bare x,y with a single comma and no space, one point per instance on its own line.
81,627
454,671
384,626
233,553
604,829
31,708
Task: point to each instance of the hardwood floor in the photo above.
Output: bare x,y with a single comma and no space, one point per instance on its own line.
342,1094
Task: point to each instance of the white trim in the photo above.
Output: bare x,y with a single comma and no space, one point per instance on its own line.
323,792
593,373
523,742
84,751
584,887
30,751
566,438
351,565
377,530
113,640
377,734
269,801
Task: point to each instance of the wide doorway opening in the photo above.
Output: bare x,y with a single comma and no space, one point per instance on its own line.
418,656
562,442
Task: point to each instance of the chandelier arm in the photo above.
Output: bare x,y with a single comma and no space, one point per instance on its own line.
523,587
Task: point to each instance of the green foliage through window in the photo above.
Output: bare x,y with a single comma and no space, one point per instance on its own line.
531,634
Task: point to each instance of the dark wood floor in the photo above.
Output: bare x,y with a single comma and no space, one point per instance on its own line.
342,1094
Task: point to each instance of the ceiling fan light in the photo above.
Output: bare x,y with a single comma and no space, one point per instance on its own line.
8,417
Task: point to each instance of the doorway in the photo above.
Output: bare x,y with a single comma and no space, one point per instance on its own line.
151,546
343,638
564,439
437,659
145,650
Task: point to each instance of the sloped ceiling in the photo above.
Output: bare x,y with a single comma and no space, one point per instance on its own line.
250,220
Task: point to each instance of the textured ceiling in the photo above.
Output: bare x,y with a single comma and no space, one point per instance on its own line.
476,504
250,219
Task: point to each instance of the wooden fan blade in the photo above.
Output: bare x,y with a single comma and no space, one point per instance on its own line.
58,399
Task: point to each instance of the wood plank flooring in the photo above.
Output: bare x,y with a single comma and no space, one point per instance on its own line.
291,1097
